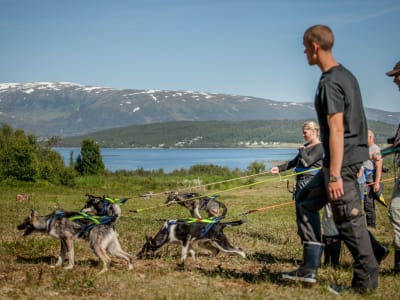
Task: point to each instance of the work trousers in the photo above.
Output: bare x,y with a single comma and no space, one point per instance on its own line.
349,220
394,214
369,206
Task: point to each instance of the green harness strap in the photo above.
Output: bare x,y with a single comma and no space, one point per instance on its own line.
116,200
211,220
82,215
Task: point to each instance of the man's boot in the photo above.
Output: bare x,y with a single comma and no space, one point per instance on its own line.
397,261
307,272
332,247
380,251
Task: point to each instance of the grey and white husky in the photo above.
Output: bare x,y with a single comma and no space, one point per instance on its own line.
66,227
194,202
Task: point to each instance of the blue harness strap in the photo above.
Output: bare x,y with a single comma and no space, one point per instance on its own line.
57,214
95,220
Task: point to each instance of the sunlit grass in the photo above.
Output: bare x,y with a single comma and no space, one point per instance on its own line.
269,237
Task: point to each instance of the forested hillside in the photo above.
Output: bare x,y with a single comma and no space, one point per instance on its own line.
210,134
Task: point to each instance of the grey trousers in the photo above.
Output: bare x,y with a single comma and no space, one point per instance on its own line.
394,214
349,220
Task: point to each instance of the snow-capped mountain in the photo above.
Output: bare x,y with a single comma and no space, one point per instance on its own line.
66,109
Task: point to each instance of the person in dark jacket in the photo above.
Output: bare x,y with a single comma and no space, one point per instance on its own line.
307,162
309,159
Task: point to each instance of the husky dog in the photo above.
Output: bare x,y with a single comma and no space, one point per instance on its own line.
207,235
102,238
103,206
213,207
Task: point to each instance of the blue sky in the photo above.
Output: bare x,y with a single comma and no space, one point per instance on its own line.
242,47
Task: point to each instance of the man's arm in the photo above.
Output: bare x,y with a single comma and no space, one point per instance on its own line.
378,174
336,149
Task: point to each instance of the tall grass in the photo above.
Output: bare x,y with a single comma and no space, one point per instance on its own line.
269,237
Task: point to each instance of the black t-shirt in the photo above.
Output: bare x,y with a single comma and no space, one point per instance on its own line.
338,91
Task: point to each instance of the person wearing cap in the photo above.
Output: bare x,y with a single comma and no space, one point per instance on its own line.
343,125
394,208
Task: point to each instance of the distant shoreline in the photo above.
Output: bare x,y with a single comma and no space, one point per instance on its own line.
282,145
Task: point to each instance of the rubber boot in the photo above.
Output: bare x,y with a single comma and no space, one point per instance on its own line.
332,247
307,272
397,261
380,251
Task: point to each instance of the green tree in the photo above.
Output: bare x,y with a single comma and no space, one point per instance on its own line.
23,158
256,167
89,161
18,159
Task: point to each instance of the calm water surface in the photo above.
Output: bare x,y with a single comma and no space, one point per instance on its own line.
171,159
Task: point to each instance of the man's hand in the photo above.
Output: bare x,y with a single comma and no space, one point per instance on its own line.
336,190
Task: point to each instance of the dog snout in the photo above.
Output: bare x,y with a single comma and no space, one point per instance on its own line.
23,225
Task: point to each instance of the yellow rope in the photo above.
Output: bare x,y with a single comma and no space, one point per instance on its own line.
210,184
231,189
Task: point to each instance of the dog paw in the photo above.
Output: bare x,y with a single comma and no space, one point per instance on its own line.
130,267
69,267
181,266
102,271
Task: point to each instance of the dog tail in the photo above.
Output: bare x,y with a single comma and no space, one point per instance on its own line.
233,223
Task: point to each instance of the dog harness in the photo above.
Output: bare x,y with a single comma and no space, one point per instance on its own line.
209,221
95,220
107,201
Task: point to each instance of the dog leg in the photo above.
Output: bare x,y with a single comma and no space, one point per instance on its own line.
185,248
224,245
63,250
207,245
196,212
115,249
101,253
192,252
69,243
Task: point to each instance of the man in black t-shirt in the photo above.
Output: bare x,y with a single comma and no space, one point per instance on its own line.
344,138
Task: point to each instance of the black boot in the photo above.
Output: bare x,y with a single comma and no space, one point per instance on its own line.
380,251
307,272
397,261
332,247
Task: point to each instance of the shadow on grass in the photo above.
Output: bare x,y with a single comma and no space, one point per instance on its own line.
36,260
269,259
263,275
51,260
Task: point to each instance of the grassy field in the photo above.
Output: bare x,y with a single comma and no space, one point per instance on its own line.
269,238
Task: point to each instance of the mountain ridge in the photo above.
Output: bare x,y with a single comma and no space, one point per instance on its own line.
68,109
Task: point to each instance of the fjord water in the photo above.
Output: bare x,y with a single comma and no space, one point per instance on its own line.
172,159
